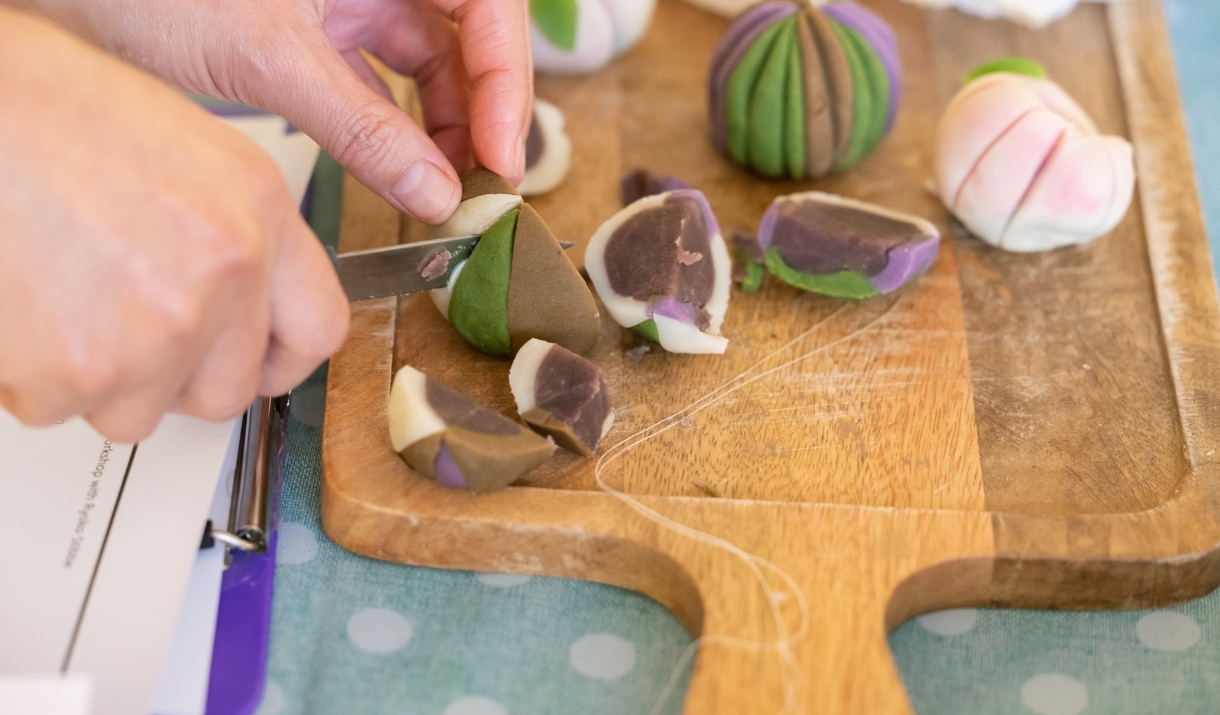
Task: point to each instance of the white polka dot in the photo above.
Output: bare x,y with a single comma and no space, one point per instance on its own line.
952,622
274,699
602,655
1167,630
475,705
296,544
1055,694
502,580
378,630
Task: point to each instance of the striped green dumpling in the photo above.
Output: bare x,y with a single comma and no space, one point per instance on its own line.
797,91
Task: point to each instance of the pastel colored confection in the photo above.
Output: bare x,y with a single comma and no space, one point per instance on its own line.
561,395
797,90
579,36
1031,13
548,151
517,284
1022,165
641,183
662,269
837,246
448,437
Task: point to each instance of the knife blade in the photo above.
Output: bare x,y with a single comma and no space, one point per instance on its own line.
405,268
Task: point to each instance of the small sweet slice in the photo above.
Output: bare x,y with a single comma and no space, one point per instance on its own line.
562,395
548,151
841,247
448,437
662,269
517,283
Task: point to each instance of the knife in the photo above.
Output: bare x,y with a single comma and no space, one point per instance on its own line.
401,269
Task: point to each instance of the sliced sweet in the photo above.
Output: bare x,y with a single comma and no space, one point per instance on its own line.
517,284
662,269
450,438
561,395
548,151
843,248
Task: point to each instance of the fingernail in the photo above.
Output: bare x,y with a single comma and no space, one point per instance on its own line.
426,192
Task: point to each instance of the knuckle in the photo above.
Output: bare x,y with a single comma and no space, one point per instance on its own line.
367,138
217,405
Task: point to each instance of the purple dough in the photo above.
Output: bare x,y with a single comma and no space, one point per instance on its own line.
447,472
671,307
905,262
880,37
733,46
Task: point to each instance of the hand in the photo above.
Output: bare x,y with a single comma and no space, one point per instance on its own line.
151,258
301,59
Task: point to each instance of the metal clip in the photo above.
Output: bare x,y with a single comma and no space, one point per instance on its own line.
249,515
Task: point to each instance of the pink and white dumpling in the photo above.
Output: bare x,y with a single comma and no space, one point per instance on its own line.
579,36
1022,165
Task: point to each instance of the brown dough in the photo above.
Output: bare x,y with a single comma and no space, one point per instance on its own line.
838,80
820,146
558,430
479,181
491,462
421,454
547,298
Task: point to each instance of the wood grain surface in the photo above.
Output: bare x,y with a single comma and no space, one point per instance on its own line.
1012,430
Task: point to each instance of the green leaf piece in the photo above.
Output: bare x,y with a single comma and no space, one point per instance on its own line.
557,20
1015,65
844,284
741,89
478,306
794,101
647,329
765,149
753,279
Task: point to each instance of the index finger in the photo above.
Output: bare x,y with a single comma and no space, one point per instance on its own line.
494,36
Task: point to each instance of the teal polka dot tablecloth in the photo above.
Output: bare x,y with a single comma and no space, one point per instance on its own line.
356,636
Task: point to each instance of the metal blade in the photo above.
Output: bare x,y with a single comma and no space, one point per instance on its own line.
405,268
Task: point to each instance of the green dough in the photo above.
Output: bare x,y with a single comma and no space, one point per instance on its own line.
767,112
844,284
741,89
557,21
794,126
753,279
1015,65
647,329
478,306
878,84
862,98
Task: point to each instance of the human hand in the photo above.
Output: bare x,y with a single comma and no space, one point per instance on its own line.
151,258
301,59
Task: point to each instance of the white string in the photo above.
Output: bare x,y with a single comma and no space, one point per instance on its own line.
782,645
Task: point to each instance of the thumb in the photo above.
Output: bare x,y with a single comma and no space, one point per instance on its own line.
373,139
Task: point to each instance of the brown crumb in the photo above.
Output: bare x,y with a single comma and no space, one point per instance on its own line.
436,266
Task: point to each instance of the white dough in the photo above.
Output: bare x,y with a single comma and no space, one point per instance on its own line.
550,169
604,30
474,216
625,310
411,418
441,296
523,374
1031,13
679,337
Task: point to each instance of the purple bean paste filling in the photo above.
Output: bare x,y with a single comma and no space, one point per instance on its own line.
820,237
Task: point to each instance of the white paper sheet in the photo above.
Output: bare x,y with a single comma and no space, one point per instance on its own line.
45,694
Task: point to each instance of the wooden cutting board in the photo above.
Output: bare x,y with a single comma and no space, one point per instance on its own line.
1033,431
